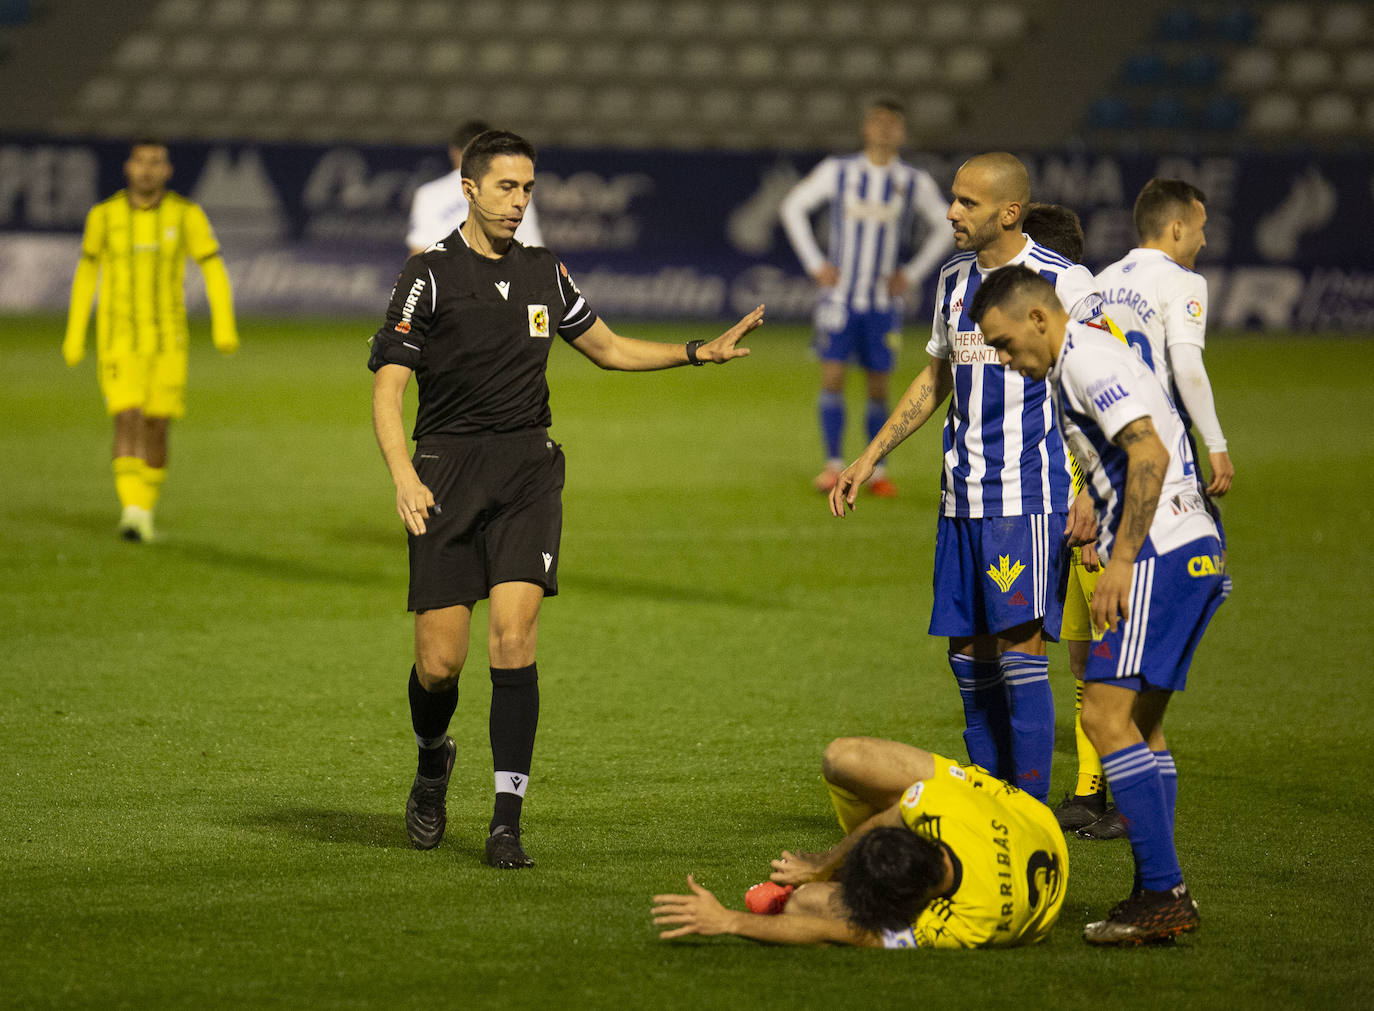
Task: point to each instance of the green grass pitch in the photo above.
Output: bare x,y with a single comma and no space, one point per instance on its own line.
205,747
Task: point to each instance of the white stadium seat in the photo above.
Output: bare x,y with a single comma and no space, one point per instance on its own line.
1357,70
1252,69
1288,24
1275,113
1309,69
1344,24
140,51
1333,112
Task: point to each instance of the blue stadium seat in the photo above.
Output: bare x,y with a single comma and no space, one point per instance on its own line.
1179,24
14,12
1235,25
1109,113
1168,112
1198,70
1144,70
1223,114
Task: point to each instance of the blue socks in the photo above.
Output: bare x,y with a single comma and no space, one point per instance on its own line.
832,423
1138,787
875,417
987,733
1032,720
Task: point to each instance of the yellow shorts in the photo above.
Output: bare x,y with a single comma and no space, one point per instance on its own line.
1078,623
155,384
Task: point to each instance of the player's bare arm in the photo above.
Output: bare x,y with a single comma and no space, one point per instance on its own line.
803,868
413,499
1081,527
1147,461
926,393
610,350
702,913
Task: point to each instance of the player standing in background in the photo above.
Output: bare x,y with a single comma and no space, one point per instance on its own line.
1163,575
874,199
1157,297
440,206
135,245
935,855
1084,810
1005,503
472,318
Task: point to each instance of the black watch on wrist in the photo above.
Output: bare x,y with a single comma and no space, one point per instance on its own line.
692,347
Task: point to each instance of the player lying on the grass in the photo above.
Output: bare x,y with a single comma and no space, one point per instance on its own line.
1163,575
936,855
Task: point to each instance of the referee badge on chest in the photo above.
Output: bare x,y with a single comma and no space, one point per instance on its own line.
539,320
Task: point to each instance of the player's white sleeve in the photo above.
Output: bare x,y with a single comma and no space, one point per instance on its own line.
1077,290
930,205
528,233
422,225
1100,383
1185,310
1195,390
939,345
816,189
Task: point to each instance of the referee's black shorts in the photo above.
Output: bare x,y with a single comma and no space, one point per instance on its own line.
497,516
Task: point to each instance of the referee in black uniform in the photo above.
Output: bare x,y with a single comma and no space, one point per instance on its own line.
472,318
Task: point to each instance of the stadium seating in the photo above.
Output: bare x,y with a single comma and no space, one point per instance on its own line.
687,73
1224,72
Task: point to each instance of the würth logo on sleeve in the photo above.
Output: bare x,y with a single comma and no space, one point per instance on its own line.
408,310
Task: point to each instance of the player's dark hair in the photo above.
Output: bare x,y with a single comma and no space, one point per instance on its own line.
889,877
1055,227
480,151
1004,284
466,131
147,140
888,105
1161,202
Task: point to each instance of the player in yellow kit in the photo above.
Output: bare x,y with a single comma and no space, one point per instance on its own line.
936,855
135,246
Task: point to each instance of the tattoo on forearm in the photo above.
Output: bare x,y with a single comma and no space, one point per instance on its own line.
1144,479
905,422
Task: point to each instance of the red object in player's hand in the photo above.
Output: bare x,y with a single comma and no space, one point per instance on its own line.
767,898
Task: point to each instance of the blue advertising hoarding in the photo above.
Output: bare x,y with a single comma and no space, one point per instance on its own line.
319,229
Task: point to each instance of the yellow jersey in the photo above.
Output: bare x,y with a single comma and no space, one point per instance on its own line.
1011,865
140,256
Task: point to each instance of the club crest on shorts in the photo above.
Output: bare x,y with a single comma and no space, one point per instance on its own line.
539,320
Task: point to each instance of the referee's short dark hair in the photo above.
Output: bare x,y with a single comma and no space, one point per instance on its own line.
1160,202
480,151
1004,284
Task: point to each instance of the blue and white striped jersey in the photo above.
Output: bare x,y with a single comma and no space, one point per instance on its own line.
1100,387
873,210
1003,456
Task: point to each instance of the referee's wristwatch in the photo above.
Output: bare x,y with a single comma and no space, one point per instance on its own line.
692,348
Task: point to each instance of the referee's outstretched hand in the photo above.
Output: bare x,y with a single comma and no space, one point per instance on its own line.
724,348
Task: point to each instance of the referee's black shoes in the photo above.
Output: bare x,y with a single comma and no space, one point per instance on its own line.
425,812
504,849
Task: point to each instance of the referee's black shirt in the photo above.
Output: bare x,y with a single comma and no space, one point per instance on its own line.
477,332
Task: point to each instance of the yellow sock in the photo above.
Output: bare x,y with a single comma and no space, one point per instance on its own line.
851,811
128,478
153,477
1089,764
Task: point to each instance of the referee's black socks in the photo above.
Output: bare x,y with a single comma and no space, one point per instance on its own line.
430,713
514,719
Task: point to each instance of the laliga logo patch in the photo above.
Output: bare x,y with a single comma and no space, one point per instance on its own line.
913,794
403,326
1193,309
539,320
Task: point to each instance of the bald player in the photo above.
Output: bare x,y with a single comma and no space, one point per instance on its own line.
1004,491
